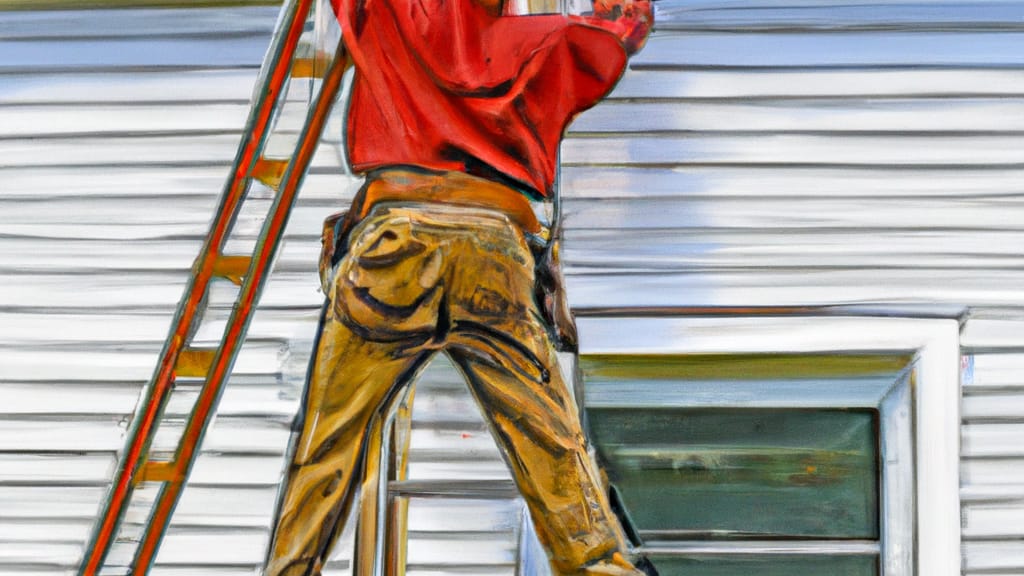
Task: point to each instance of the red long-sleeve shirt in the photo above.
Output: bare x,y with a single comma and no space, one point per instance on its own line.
447,85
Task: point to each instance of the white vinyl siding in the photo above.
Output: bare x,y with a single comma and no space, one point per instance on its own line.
854,155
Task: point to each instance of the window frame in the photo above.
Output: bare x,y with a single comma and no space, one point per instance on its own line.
919,413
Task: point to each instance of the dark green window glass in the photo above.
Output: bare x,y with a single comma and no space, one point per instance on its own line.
768,566
743,472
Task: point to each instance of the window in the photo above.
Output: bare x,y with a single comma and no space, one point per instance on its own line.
726,464
775,445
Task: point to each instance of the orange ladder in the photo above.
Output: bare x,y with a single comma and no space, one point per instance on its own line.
212,365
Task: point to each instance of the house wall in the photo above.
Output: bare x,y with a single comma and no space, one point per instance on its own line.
857,155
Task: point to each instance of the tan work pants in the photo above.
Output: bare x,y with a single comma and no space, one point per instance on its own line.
417,279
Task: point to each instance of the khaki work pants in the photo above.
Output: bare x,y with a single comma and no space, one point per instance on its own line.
418,279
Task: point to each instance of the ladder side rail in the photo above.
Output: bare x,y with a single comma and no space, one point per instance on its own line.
266,249
140,434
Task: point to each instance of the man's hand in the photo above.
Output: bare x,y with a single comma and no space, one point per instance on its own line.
634,17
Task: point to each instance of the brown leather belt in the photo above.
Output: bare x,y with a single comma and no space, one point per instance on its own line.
451,188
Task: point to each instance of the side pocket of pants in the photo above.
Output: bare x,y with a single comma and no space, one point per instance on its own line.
333,243
551,297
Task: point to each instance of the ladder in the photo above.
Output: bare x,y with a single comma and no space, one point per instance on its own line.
179,359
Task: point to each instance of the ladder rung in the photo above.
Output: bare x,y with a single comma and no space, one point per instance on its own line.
475,489
269,171
315,67
159,472
234,268
194,363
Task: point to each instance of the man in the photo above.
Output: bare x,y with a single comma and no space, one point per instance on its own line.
456,116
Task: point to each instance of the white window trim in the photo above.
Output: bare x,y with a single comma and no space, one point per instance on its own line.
936,373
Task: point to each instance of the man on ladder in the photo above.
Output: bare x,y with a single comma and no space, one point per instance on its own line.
456,116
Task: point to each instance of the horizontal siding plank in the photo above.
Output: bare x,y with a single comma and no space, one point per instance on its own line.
148,150
992,494
36,553
780,150
453,515
993,440
180,86
999,288
127,88
332,189
635,250
138,23
246,436
44,531
151,182
1005,473
727,259
795,288
994,329
55,328
472,444
90,182
706,4
200,505
82,329
993,557
88,365
783,150
997,371
187,218
43,399
35,570
127,364
72,54
749,16
584,252
865,49
492,549
104,256
159,570
55,469
430,570
138,291
211,549
459,470
994,521
1007,406
53,122
787,246
456,410
33,505
252,470
754,84
183,120
781,115
68,470
802,213
159,151
833,115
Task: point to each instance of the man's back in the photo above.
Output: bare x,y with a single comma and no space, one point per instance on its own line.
451,85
